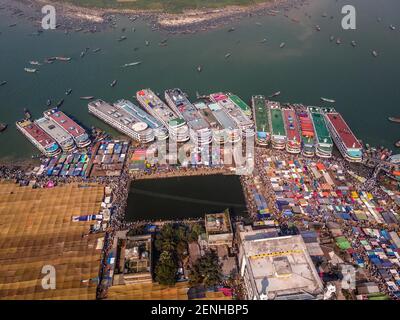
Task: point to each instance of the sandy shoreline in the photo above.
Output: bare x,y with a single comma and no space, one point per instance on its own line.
72,17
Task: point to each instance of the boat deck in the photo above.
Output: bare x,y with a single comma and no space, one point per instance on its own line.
158,107
186,109
343,130
240,103
37,133
59,134
291,125
224,120
261,114
234,111
131,110
69,125
306,126
321,130
278,126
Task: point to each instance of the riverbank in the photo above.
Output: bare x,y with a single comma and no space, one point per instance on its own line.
72,17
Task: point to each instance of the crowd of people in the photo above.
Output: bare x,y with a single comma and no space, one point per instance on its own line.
120,189
324,216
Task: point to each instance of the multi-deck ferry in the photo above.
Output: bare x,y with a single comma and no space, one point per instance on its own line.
200,131
224,129
344,138
293,143
63,139
238,116
240,104
278,132
46,144
307,132
260,116
160,132
324,144
79,135
117,117
177,127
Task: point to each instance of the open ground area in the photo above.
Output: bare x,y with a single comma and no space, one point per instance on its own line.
166,6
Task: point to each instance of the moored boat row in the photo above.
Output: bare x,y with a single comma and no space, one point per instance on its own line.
53,133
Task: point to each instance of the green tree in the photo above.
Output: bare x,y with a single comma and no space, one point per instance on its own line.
196,230
206,270
182,249
166,269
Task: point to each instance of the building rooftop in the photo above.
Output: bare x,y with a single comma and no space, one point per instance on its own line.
281,267
218,223
43,232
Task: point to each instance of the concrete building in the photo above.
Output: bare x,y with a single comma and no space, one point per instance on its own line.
133,264
277,268
219,229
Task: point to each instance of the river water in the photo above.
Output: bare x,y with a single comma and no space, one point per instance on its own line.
310,66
